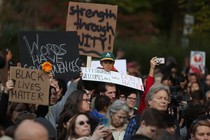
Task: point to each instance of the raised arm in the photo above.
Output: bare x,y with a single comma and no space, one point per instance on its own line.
55,110
149,83
4,101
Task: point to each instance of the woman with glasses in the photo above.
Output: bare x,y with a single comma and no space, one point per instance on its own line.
131,98
200,130
118,114
77,102
79,128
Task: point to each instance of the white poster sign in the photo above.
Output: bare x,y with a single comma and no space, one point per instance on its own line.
112,77
197,62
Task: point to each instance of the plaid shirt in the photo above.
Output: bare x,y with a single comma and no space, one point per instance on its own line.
131,129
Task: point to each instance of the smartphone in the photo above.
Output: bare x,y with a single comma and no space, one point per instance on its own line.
160,60
104,121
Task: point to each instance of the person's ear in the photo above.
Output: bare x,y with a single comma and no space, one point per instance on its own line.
111,114
149,102
142,123
64,125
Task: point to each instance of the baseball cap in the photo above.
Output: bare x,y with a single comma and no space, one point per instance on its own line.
107,56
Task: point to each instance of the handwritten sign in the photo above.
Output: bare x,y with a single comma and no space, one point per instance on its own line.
95,25
197,62
112,77
58,48
31,86
120,65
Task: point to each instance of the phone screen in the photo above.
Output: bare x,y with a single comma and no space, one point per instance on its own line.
104,121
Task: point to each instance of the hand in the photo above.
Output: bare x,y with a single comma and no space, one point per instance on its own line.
50,75
54,83
109,137
153,62
77,79
100,132
9,85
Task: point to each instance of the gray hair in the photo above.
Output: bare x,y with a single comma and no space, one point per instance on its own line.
154,89
117,106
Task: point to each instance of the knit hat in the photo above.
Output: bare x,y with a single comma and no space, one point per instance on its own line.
107,56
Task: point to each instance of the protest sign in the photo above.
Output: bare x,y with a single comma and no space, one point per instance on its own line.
120,65
95,25
112,77
30,86
197,62
58,48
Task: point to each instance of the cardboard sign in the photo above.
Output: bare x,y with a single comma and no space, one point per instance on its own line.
58,48
112,77
197,62
120,65
95,25
30,86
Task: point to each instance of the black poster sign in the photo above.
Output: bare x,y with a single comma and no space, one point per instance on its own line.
58,48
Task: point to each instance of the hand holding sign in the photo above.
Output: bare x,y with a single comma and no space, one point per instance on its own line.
112,77
76,80
9,86
31,86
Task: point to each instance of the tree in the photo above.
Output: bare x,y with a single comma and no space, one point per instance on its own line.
17,15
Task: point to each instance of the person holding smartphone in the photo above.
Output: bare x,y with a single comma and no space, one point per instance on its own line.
79,128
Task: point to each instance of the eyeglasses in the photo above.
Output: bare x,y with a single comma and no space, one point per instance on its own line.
86,100
83,122
131,98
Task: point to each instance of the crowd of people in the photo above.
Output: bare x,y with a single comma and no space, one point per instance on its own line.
172,106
